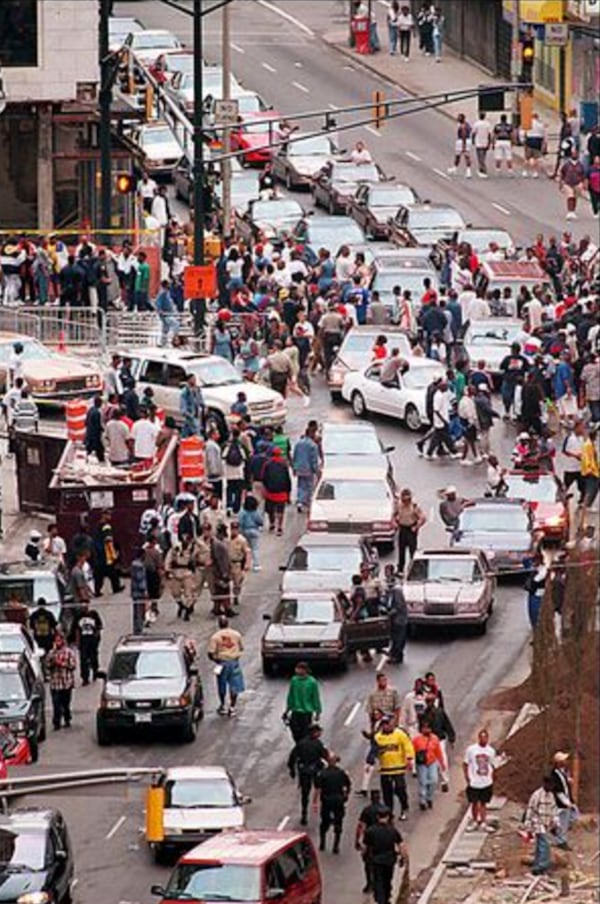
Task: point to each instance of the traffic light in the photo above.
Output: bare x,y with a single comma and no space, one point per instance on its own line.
527,56
125,183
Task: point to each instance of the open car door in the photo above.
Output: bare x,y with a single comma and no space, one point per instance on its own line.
367,633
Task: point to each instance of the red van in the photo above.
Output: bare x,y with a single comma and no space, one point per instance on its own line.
247,867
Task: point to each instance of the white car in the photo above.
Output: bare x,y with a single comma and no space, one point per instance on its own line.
354,445
405,401
490,341
165,371
297,163
356,352
480,237
351,502
321,562
149,44
160,148
199,802
16,639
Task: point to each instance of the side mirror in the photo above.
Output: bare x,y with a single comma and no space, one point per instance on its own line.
266,616
158,890
283,567
101,674
389,449
60,855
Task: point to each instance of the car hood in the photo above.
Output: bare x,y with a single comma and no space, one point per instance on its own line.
277,224
258,140
365,510
303,633
502,541
13,885
306,166
145,689
431,591
58,368
200,818
432,234
308,581
383,214
228,394
354,360
166,151
491,354
371,462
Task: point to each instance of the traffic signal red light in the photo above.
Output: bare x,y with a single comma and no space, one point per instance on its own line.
125,183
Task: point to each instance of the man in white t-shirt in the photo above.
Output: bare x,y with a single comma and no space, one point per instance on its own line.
478,769
146,189
144,433
360,154
482,137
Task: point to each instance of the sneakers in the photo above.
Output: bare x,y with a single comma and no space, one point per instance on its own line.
483,175
451,170
455,455
479,460
428,457
466,463
422,806
472,826
403,815
468,173
232,712
571,215
222,711
306,401
525,174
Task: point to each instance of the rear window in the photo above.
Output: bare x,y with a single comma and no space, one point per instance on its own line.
215,882
325,558
27,590
488,520
205,793
352,490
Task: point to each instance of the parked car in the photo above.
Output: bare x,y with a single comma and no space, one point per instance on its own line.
15,750
296,163
181,87
354,445
22,700
449,587
356,353
405,401
425,224
199,802
409,274
547,499
490,341
350,502
501,528
254,134
17,639
315,627
268,218
480,238
52,377
256,867
147,45
152,682
334,186
160,149
322,562
23,585
244,185
373,205
315,232
512,275
37,863
165,370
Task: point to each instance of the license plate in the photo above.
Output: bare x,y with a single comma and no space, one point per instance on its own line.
143,717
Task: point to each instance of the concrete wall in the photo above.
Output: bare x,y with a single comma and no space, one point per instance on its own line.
67,53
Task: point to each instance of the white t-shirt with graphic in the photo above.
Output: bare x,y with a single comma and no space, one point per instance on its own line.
480,765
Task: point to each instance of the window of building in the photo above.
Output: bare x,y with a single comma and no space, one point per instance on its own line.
545,63
19,33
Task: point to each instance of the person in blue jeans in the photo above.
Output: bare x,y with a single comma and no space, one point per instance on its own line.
251,523
306,464
541,819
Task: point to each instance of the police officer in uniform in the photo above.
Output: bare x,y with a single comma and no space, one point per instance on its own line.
333,787
368,818
240,557
306,760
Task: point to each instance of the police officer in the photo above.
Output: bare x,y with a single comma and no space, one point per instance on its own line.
394,603
306,760
383,847
240,558
368,818
333,787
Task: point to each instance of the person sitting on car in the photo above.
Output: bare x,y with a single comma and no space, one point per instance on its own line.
394,365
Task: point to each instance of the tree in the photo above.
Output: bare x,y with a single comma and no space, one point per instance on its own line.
546,663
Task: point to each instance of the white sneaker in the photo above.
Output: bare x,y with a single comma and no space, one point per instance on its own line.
466,463
306,401
525,174
455,455
571,215
536,175
451,170
483,175
479,459
468,173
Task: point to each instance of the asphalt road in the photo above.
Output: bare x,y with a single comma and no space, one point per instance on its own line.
293,70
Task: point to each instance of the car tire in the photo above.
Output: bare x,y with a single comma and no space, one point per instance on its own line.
34,749
103,735
412,631
216,420
68,897
43,731
159,854
268,668
359,406
343,663
190,731
481,629
336,397
412,418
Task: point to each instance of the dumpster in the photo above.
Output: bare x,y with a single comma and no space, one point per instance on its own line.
360,30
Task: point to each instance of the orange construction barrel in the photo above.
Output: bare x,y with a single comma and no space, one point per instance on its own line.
191,458
76,412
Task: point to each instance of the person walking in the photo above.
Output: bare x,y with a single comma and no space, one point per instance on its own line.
441,441
482,139
572,448
392,24
307,758
220,570
333,789
277,485
235,456
213,461
409,521
240,558
94,428
430,762
180,568
383,847
60,666
572,179
86,634
467,413
593,185
385,700
590,467
478,770
462,146
541,820
154,562
535,147
306,465
562,788
502,140
396,755
303,704
406,25
486,414
513,368
191,407
107,556
43,625
225,649
251,523
366,819
393,602
437,33
139,591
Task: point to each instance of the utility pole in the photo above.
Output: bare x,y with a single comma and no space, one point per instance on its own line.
226,92
105,100
198,138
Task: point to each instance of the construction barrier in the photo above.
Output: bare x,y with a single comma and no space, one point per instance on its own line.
76,412
191,459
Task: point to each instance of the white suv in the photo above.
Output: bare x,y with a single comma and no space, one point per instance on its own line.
166,370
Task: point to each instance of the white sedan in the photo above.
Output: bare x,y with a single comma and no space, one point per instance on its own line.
348,502
405,401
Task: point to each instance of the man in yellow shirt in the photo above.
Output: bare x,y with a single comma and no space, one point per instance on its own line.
396,754
590,468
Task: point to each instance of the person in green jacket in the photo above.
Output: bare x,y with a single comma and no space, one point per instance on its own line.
303,702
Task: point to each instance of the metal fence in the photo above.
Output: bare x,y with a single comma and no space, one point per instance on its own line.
133,329
64,328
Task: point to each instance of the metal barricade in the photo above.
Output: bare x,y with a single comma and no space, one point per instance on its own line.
135,329
66,329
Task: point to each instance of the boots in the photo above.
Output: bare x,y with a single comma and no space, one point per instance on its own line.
336,843
322,841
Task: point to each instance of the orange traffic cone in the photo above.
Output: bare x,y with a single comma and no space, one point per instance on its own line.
62,346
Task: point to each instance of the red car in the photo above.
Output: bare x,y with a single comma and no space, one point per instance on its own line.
546,497
254,134
14,751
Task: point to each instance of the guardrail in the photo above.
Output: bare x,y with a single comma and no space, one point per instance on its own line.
38,784
63,327
133,329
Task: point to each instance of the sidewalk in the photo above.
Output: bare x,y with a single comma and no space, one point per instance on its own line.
422,75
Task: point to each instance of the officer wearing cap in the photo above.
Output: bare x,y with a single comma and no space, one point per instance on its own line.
306,760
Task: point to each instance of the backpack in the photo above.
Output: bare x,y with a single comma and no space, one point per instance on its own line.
234,455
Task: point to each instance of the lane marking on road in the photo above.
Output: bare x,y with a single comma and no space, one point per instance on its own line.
349,68
301,87
373,131
268,67
381,662
441,173
412,156
115,828
283,823
501,208
333,107
237,47
284,15
298,65
352,714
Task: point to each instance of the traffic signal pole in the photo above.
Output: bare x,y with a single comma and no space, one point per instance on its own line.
226,165
198,139
105,100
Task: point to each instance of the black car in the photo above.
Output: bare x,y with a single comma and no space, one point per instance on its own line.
36,859
22,700
152,682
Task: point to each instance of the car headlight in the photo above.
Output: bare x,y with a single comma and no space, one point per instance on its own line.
93,380
336,376
173,702
554,521
272,645
48,385
332,645
35,897
280,403
157,162
113,704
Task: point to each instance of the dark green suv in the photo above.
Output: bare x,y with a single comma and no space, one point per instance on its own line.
22,700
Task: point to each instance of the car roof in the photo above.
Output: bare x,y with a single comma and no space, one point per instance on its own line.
157,31
490,323
515,270
348,427
177,356
182,773
492,504
451,553
245,847
532,475
25,570
426,205
355,473
148,642
12,628
28,817
8,336
375,330
315,539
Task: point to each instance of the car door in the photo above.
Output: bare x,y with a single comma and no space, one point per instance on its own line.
373,390
59,853
152,373
367,633
290,867
175,376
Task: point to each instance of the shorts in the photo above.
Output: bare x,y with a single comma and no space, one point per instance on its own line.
532,153
480,795
571,191
462,148
503,151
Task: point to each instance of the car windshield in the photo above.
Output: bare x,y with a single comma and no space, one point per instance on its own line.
435,218
32,351
215,882
531,489
194,792
128,665
156,136
261,128
362,343
216,373
305,612
143,41
348,172
309,147
120,28
326,558
334,232
451,569
362,442
391,196
249,103
276,210
405,277
420,377
11,643
479,239
352,490
497,519
180,62
489,334
21,850
11,685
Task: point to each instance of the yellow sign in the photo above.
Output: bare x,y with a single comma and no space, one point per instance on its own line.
538,12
